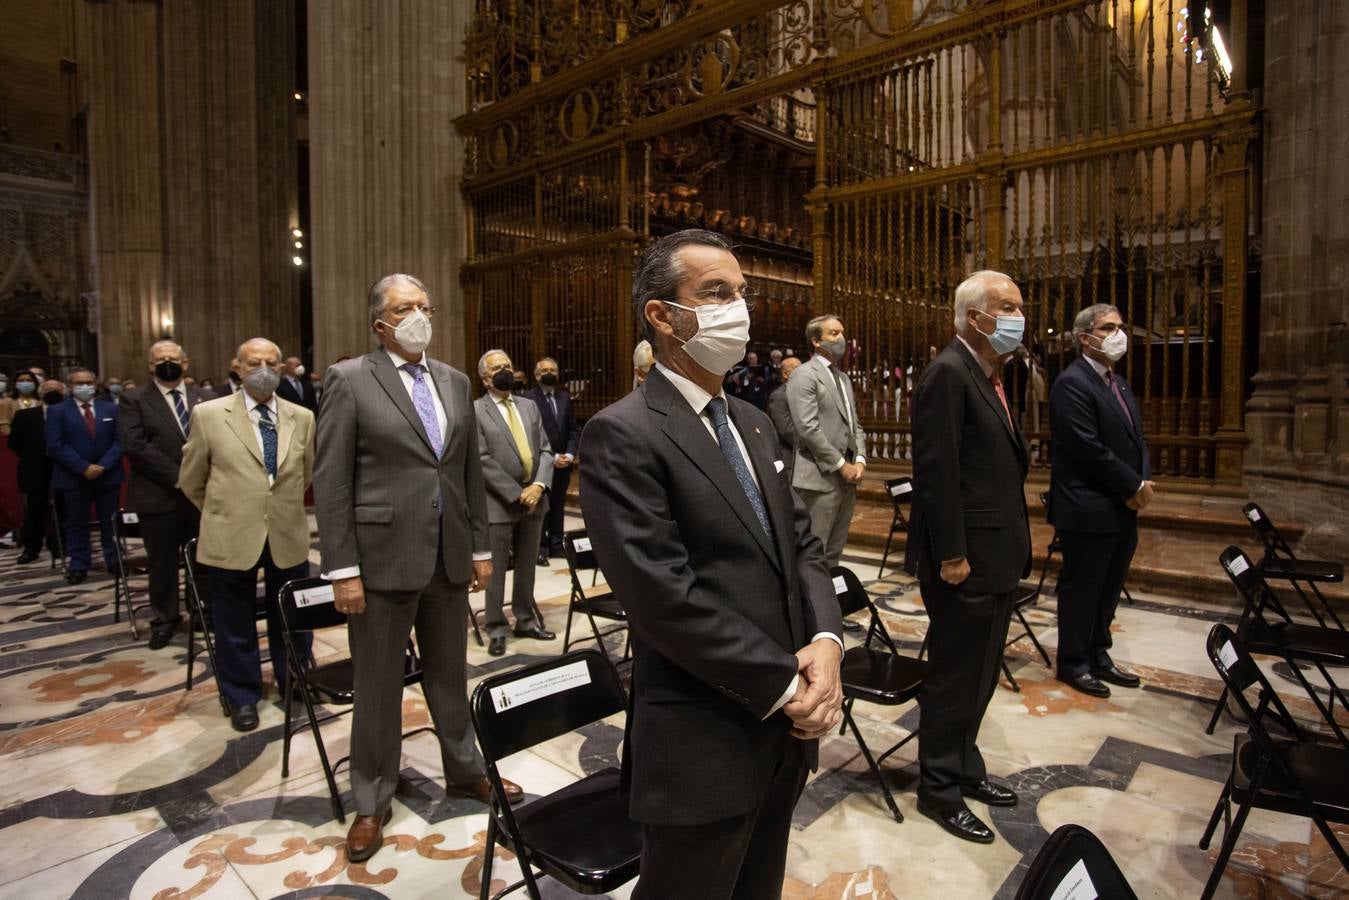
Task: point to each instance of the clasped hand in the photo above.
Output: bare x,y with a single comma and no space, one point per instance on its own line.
817,705
530,496
1140,500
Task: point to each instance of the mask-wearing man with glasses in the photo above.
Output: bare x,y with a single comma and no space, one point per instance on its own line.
1099,483
402,516
706,546
564,435
246,465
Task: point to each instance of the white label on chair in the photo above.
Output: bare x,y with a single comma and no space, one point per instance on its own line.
1238,565
1076,885
840,586
130,518
581,545
545,684
900,490
1253,514
1227,655
314,596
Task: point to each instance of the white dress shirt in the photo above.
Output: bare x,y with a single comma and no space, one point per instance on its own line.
251,407
698,399
165,391
500,403
848,413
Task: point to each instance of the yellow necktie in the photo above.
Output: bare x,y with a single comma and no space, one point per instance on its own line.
521,442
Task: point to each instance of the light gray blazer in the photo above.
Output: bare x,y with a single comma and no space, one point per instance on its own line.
381,495
821,425
502,467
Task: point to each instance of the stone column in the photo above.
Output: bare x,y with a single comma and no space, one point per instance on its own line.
386,80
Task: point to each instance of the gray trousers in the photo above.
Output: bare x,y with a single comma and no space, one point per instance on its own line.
379,639
830,516
522,536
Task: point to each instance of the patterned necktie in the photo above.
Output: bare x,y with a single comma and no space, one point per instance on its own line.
268,429
521,442
847,416
89,419
426,407
716,410
996,378
1114,389
180,409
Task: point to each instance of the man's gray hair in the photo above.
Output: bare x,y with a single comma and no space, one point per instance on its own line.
544,359
381,287
239,353
154,348
659,273
482,361
1085,321
78,370
972,293
815,327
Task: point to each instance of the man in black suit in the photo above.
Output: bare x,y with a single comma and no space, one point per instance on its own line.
295,387
559,421
1099,483
155,425
28,440
735,623
969,544
781,413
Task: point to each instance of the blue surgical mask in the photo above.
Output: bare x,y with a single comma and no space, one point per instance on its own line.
83,392
114,389
26,387
1006,335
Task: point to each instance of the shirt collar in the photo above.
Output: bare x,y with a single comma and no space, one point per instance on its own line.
165,390
399,362
696,397
984,364
250,404
1101,369
824,360
501,401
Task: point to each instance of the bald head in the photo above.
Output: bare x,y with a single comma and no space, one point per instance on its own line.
789,365
257,345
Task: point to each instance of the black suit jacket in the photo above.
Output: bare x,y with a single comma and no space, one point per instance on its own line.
224,388
28,440
1100,456
564,435
717,610
969,474
781,414
305,396
153,442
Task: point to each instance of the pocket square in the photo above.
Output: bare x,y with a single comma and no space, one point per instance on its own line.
107,420
778,466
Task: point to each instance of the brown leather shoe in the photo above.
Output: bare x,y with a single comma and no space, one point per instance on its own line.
366,836
481,790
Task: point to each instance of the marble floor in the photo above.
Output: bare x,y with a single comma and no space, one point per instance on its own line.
119,783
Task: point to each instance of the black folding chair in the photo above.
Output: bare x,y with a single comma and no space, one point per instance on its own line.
126,525
596,601
1278,635
579,835
1073,856
1296,777
901,492
1027,595
881,675
1279,562
306,605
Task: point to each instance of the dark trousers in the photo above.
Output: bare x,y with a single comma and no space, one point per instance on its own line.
234,621
743,857
964,643
164,535
1095,567
379,638
554,522
76,511
36,517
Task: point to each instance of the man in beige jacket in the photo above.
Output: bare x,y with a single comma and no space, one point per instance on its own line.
246,465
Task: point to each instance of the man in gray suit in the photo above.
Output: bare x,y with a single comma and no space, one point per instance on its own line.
781,413
829,438
402,519
516,457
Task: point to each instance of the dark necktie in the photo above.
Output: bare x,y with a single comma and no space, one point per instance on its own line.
89,419
1114,389
716,411
847,417
552,404
426,407
181,409
268,429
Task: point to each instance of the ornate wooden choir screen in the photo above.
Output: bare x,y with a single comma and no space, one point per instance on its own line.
868,155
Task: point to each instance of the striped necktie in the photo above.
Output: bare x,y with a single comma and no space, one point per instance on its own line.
180,409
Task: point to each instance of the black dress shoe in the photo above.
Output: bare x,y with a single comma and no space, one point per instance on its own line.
556,552
245,718
850,625
161,634
990,793
543,558
1115,675
496,646
1087,684
25,558
76,576
960,822
535,632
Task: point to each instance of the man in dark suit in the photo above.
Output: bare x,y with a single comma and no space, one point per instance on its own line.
86,454
559,422
155,426
969,544
1099,483
402,519
736,628
781,413
296,388
28,440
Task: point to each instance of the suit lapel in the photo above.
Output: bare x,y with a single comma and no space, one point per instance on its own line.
285,425
779,511
239,423
1108,399
392,383
991,398
440,380
159,407
492,414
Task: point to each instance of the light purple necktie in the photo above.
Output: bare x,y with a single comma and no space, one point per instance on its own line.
1114,389
426,407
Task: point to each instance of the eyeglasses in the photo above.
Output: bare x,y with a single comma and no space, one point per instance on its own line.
408,309
1111,327
723,294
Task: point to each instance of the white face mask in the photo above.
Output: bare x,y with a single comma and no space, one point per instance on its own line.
722,335
413,334
1115,346
299,371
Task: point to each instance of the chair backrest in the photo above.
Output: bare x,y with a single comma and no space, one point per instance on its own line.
580,556
900,490
1239,673
126,524
853,597
307,605
523,707
1264,529
1074,863
1255,594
